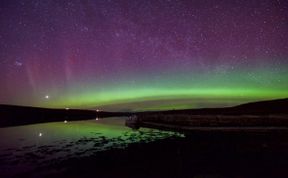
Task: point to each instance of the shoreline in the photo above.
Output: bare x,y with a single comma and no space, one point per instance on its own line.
196,156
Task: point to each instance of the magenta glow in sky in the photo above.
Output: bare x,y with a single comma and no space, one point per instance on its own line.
67,50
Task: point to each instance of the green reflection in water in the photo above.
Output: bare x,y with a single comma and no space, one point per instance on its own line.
58,141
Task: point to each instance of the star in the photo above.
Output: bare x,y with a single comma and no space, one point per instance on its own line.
18,63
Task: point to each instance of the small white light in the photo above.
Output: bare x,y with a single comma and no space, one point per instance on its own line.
65,121
47,97
97,119
40,134
67,108
97,110
17,63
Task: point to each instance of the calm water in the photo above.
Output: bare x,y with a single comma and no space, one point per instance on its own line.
26,148
106,148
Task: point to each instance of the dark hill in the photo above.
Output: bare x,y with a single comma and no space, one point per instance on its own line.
279,106
19,115
11,115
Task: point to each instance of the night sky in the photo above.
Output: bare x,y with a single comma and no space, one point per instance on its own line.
93,53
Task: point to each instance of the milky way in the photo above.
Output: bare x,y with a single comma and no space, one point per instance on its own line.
92,53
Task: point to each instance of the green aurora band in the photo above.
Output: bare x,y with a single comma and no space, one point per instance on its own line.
228,87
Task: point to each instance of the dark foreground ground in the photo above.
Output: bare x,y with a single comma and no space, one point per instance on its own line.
202,155
206,155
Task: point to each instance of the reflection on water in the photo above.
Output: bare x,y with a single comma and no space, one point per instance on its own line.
24,147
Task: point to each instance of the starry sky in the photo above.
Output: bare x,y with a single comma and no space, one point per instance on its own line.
142,54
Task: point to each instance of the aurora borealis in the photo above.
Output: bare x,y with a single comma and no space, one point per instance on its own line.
96,53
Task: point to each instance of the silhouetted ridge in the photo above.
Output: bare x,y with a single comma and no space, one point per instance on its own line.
271,107
279,106
20,115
